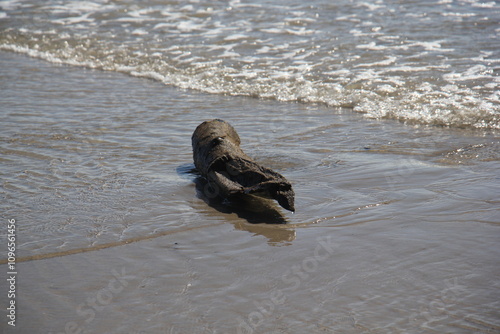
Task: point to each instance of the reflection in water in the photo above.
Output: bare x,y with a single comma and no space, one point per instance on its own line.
276,236
262,214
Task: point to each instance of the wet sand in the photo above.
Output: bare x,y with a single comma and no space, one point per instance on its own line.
396,227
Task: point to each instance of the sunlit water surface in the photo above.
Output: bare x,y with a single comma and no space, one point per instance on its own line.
396,229
397,223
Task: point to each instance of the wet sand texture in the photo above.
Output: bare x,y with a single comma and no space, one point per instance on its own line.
397,227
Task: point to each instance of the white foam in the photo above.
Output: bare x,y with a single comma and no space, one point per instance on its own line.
473,73
448,14
239,50
370,6
264,49
431,46
164,25
235,37
371,46
300,32
491,4
388,61
138,19
189,26
83,6
74,20
10,4
273,30
229,54
338,73
48,56
140,32
187,8
348,18
407,69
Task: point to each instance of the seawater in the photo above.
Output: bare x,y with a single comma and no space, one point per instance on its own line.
397,223
396,228
432,62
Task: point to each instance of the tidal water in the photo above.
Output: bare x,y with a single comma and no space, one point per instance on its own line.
432,62
395,166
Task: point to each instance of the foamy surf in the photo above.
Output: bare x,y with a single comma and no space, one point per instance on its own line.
431,65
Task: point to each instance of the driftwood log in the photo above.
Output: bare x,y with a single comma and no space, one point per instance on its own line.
229,171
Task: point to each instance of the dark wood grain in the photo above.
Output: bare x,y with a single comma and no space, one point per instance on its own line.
218,157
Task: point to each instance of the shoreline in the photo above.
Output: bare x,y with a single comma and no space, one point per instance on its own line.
95,159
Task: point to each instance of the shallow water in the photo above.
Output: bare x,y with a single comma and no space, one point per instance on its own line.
429,62
396,229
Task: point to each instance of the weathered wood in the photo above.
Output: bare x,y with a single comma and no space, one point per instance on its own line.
218,157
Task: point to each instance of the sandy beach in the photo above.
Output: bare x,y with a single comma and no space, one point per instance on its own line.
396,227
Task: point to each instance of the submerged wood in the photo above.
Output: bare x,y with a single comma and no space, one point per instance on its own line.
218,157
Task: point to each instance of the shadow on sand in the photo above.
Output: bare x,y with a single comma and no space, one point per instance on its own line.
263,216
